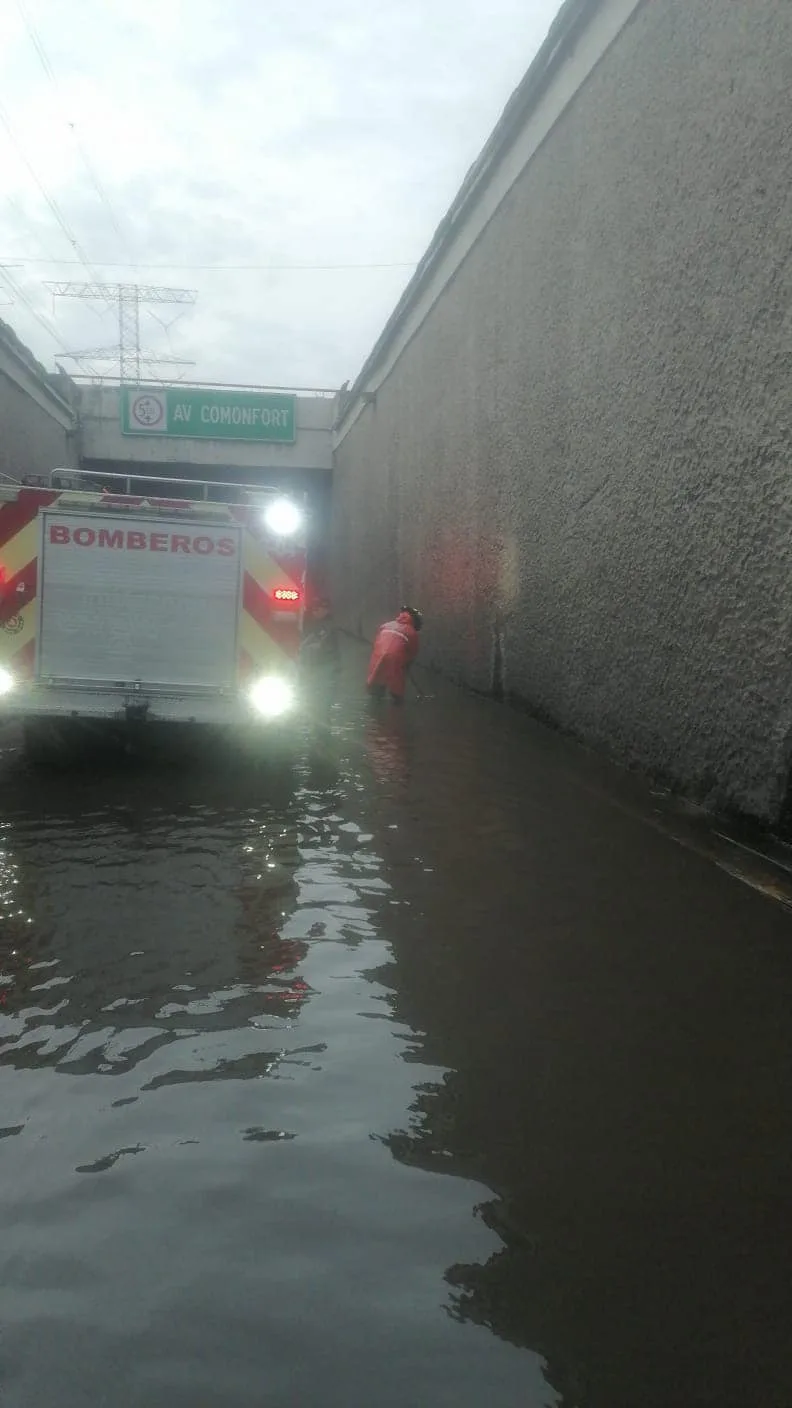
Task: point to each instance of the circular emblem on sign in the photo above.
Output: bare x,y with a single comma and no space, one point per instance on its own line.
13,625
147,410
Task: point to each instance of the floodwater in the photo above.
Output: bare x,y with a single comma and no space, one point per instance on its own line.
426,1069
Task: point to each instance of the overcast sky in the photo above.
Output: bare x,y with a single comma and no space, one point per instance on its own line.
175,133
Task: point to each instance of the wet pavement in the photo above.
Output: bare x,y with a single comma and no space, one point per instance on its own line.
436,1066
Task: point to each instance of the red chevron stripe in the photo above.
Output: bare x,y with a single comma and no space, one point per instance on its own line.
18,591
258,604
256,601
16,515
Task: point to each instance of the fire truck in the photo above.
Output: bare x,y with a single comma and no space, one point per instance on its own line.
137,609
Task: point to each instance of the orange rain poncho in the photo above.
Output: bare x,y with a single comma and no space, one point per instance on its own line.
395,647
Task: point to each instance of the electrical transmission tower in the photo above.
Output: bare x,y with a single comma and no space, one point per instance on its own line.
128,298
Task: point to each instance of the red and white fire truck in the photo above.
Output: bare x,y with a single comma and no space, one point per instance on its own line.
136,609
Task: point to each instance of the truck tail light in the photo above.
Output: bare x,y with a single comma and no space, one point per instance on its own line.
286,596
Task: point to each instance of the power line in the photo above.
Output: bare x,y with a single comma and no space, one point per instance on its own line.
101,192
220,268
147,359
93,176
38,45
53,206
18,292
36,42
61,219
23,216
71,237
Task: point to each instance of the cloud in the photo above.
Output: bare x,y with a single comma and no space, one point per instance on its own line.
184,132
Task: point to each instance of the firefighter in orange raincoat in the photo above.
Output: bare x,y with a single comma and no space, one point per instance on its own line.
395,648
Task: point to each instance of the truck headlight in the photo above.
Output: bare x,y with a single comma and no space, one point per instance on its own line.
272,696
7,681
283,518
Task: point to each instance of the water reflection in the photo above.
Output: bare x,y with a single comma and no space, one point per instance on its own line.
198,1065
388,736
410,1073
151,930
611,1026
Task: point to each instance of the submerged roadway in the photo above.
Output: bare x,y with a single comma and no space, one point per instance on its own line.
437,1064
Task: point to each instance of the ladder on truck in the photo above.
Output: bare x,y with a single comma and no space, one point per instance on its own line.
200,490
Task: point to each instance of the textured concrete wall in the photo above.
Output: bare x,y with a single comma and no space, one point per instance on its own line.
36,423
580,465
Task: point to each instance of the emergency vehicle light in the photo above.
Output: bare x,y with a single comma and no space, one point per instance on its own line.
7,681
283,518
286,594
272,696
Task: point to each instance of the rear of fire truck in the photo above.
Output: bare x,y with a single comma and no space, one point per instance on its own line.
132,610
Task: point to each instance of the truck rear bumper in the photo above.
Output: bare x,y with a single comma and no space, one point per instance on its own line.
136,707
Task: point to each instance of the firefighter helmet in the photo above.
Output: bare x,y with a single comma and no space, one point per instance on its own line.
415,616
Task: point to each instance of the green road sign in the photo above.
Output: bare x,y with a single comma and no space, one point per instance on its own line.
192,414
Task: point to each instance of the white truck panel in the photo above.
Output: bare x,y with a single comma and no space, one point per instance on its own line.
127,600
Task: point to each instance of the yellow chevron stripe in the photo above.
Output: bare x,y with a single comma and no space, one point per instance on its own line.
263,568
21,549
10,643
262,649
